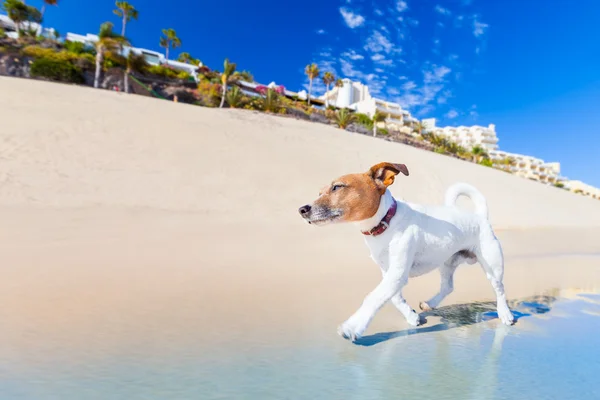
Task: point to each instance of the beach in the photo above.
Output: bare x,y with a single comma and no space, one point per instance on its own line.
143,230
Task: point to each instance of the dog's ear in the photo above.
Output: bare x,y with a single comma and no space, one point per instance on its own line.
384,173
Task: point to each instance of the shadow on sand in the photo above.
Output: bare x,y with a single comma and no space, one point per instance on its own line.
457,315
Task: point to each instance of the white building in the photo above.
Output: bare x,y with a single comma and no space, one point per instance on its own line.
530,167
152,57
583,188
356,96
467,136
10,28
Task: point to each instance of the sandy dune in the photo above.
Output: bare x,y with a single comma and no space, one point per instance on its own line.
127,219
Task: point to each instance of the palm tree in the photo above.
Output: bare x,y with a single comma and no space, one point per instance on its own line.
312,71
270,102
107,41
328,79
479,153
17,11
343,118
228,70
46,3
135,62
184,57
338,84
420,127
169,40
126,12
235,97
377,117
245,76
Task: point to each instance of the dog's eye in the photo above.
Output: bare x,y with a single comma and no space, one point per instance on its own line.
336,187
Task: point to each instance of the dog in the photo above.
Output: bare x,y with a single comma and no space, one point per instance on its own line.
408,240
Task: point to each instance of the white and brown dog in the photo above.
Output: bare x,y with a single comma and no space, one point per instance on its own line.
409,240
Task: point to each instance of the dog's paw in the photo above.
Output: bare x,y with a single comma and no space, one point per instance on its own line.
351,329
424,306
506,316
413,318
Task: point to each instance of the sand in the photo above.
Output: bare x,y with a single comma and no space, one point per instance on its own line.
132,223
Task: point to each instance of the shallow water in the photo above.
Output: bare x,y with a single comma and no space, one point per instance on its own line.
553,352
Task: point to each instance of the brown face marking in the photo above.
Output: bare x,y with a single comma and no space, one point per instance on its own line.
356,197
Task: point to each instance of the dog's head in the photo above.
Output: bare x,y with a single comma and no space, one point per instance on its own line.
353,197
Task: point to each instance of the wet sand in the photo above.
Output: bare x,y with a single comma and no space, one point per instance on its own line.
142,231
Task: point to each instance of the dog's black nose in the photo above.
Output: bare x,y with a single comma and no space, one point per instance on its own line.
304,209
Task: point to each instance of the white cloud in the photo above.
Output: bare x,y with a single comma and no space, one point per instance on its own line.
378,42
321,32
452,114
435,74
381,60
408,86
473,113
378,12
434,83
379,70
353,55
441,10
479,27
352,20
401,6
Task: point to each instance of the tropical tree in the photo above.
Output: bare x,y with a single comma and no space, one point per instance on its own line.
271,102
228,70
479,153
420,127
19,12
169,40
312,71
126,12
344,117
243,76
107,41
187,58
235,97
377,118
328,79
135,63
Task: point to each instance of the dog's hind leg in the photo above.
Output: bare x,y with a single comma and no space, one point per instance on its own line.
491,259
446,287
447,278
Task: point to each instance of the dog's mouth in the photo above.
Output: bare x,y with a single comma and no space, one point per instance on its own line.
321,217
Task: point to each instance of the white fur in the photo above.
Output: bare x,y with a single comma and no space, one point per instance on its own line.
421,239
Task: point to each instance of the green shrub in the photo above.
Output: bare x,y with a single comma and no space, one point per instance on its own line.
559,185
168,73
62,71
364,120
383,131
209,94
486,162
2,33
113,60
76,47
235,97
82,60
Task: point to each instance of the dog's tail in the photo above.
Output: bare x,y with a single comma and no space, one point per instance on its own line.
456,190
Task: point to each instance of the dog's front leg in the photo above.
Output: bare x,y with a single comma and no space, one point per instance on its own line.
401,256
398,300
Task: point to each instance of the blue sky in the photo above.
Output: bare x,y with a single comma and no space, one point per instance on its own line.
531,67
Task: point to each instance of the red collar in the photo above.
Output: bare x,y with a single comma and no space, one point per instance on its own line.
385,222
